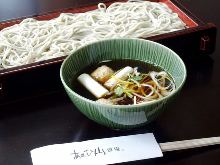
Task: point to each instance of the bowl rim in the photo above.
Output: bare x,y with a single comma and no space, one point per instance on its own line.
123,106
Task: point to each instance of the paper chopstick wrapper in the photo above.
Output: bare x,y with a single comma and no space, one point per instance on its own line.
112,150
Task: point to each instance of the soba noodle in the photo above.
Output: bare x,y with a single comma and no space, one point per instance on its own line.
33,40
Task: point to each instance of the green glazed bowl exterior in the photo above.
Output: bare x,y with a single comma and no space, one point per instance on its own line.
122,116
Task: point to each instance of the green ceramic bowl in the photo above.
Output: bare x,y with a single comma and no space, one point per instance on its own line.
122,116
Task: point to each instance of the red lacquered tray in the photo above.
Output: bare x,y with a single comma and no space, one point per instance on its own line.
42,77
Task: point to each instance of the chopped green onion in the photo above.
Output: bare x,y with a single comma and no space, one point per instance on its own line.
119,91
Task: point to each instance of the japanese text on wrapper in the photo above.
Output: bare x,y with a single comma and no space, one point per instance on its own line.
95,152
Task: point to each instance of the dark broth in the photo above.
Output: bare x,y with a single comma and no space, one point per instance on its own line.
143,67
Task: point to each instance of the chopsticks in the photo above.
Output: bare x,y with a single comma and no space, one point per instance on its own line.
187,144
